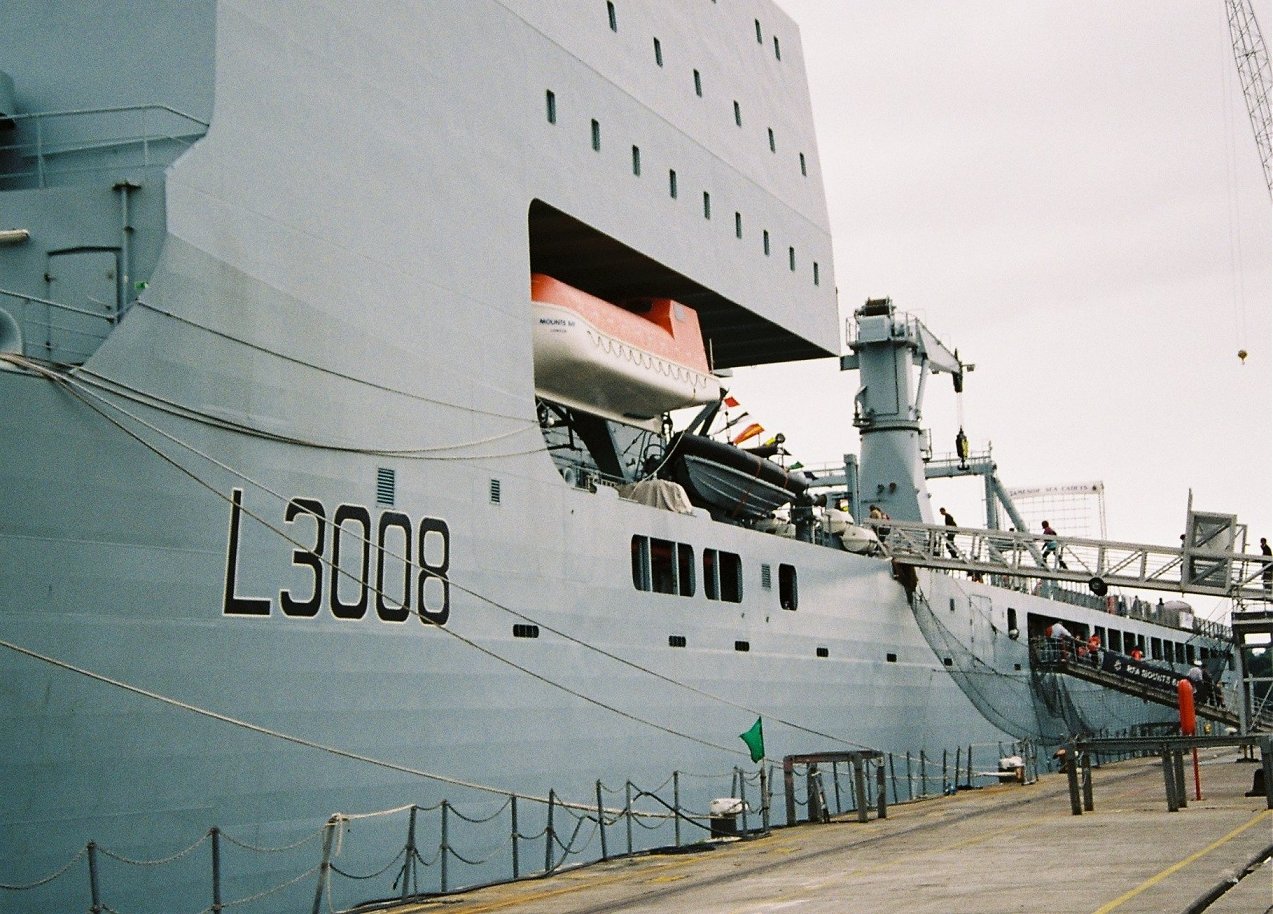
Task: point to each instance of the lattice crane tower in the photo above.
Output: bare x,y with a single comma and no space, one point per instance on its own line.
1252,58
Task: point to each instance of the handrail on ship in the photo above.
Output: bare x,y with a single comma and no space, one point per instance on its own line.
1206,572
66,141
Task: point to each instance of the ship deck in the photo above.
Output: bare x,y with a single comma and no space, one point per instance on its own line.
1009,848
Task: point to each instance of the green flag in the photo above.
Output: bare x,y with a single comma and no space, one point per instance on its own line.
755,740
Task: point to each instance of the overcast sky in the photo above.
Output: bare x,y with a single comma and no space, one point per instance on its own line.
1069,192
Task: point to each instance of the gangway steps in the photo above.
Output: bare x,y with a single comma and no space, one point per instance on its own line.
1083,668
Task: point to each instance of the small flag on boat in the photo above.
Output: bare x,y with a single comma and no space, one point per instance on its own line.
750,431
755,740
730,402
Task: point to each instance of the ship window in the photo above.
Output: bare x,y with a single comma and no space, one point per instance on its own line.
676,641
759,38
804,169
788,593
816,279
738,225
823,652
550,101
658,52
738,114
614,21
1155,648
698,84
641,562
791,259
948,661
1180,652
707,205
1012,619
1189,655
891,658
1115,642
1101,636
662,566
596,135
773,146
722,576
671,183
777,48
742,646
685,569
636,160
766,236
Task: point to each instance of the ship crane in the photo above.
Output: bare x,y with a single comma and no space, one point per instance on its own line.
886,346
1252,58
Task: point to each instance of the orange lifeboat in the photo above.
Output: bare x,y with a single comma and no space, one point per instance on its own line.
629,366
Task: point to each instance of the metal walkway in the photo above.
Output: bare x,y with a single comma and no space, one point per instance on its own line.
1100,563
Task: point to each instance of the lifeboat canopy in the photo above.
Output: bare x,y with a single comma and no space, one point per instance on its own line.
630,366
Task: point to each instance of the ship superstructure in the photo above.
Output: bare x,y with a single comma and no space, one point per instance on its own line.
289,523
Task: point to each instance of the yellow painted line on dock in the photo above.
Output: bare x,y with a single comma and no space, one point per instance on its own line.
1176,867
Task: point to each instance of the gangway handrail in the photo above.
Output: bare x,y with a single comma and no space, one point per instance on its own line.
1076,559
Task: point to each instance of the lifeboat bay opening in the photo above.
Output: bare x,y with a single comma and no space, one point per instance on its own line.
575,253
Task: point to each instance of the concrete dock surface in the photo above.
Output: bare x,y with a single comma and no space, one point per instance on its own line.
1011,848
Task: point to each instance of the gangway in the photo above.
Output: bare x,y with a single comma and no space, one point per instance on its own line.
1150,682
1099,564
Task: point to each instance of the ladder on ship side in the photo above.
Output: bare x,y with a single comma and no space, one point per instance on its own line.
1010,556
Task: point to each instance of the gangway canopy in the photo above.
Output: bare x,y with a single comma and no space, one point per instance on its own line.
1100,564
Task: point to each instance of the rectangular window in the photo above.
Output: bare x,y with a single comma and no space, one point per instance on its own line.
766,237
662,566
816,278
804,169
1012,621
777,48
1189,654
738,225
743,646
641,562
676,641
738,114
671,183
707,205
596,135
1115,641
614,21
550,102
636,160
891,658
698,84
658,52
685,569
823,652
791,259
1100,636
760,39
788,592
1155,647
722,576
773,146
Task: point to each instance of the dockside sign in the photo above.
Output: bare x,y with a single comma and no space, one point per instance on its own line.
1135,671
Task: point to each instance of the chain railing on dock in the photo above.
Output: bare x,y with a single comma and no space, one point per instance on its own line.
355,855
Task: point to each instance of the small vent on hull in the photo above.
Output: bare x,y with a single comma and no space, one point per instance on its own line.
386,484
495,493
525,631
